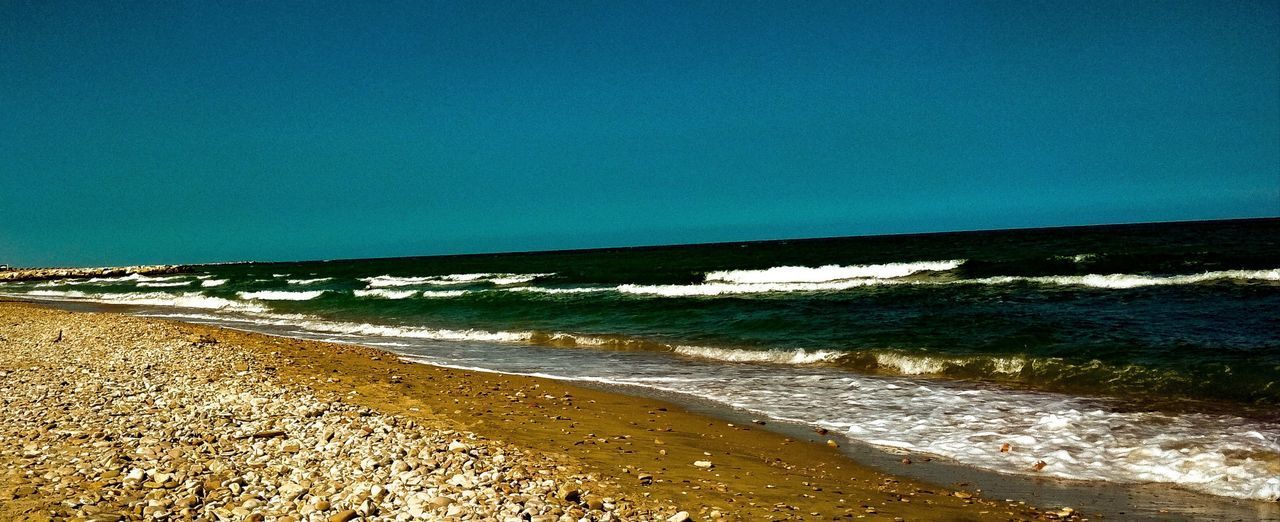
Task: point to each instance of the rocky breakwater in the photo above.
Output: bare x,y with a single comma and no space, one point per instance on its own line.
43,274
107,417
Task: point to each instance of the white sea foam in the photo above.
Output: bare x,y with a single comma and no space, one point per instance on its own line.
1109,281
184,300
133,277
386,280
715,289
213,282
450,279
415,332
444,293
828,273
280,295
759,356
544,290
385,293
912,364
511,279
163,284
1123,281
308,281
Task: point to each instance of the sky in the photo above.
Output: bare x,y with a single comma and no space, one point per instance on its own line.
176,132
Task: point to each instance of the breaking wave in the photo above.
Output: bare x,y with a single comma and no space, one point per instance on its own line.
1107,281
450,279
308,281
828,273
385,293
213,282
280,295
1123,281
545,290
163,284
759,356
715,289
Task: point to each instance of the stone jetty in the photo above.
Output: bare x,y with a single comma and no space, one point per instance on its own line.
43,274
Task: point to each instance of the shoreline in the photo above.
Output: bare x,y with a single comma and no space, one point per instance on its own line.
619,436
640,450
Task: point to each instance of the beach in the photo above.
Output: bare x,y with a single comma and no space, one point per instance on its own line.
112,417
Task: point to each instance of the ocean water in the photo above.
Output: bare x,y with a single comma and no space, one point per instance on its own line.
1133,354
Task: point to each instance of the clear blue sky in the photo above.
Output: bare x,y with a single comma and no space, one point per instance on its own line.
209,131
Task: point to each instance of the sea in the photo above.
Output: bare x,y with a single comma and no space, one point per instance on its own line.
1145,353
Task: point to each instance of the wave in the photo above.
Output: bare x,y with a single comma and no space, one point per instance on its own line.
828,273
759,356
385,293
184,300
914,364
163,284
545,290
1123,281
450,279
1107,281
280,295
213,282
716,289
444,293
134,277
308,281
413,332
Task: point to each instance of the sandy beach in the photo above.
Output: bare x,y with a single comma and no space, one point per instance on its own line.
111,417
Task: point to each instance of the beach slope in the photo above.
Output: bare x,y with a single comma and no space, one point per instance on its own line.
112,417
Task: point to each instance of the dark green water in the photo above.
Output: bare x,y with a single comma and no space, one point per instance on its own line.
1218,338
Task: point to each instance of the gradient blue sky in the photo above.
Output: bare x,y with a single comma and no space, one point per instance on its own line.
211,131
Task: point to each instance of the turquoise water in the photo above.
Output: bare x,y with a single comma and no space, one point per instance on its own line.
1079,331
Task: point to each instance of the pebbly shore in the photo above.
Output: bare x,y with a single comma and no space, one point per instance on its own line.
116,418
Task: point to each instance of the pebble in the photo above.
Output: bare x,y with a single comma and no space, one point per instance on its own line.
183,426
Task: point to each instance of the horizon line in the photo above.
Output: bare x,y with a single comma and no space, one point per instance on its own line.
743,241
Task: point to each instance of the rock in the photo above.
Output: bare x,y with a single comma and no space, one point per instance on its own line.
1039,465
963,494
645,479
291,491
344,515
833,443
569,493
682,516
704,464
